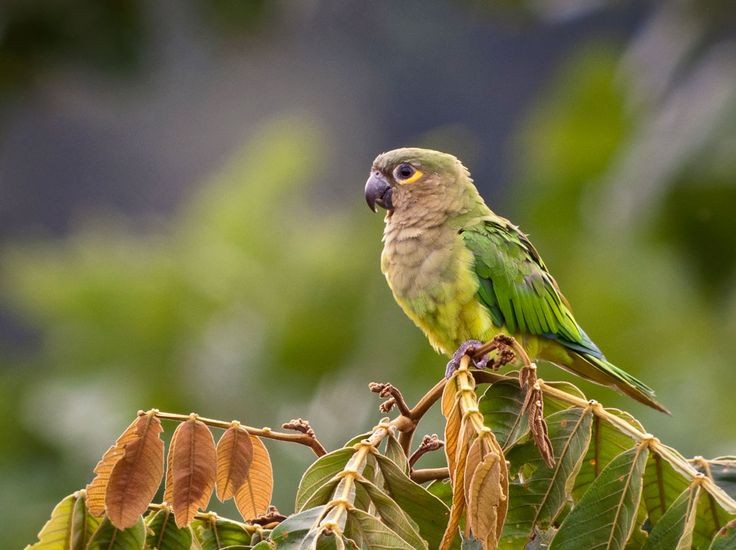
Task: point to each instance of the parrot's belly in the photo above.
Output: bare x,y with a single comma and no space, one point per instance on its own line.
432,281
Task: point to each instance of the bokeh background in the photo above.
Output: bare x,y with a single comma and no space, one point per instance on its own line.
182,223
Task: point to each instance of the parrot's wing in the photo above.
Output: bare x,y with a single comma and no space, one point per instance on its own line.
517,288
522,296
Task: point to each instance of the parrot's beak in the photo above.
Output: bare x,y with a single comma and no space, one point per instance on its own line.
378,192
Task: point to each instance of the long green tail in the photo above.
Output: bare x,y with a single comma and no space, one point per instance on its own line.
607,374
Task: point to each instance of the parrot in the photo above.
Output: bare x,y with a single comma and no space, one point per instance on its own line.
464,274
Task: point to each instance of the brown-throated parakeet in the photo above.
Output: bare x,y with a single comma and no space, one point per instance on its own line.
462,273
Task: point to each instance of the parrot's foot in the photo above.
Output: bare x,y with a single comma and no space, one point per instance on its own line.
466,348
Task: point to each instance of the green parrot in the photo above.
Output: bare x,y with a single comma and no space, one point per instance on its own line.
464,274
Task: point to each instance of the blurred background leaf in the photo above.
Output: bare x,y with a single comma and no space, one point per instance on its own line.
182,223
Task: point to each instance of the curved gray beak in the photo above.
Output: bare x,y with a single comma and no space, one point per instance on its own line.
378,192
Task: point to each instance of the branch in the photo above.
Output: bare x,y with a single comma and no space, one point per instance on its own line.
429,474
408,420
384,389
429,443
304,438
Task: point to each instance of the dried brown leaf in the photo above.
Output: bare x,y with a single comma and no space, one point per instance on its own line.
234,457
193,469
136,476
254,495
534,406
486,494
466,436
97,489
169,483
458,484
452,434
449,396
476,453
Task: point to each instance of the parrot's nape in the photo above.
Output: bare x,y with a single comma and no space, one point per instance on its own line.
463,273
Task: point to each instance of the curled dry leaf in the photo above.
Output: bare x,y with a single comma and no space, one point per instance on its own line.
452,433
254,495
534,409
234,457
449,396
486,494
193,461
538,426
136,476
97,489
476,453
457,476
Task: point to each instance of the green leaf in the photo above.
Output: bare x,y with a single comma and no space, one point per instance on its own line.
725,539
216,533
357,439
362,500
501,406
442,489
163,534
709,520
361,525
675,528
330,541
662,486
606,442
640,532
537,499
322,495
319,473
84,524
392,515
604,516
107,537
396,453
290,533
428,512
70,527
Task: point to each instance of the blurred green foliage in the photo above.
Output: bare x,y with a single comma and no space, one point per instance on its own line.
261,299
658,294
260,296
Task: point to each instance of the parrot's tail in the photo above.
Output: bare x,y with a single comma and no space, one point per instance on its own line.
607,374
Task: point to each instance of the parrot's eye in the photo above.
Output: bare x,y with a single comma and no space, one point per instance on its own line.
406,173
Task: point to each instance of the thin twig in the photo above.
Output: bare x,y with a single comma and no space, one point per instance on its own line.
301,438
384,389
429,474
409,424
429,443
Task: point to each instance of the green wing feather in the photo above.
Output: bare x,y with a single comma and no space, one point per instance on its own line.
524,298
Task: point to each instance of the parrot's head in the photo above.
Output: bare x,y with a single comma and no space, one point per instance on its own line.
416,182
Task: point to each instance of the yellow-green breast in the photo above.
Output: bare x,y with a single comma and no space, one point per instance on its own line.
430,273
